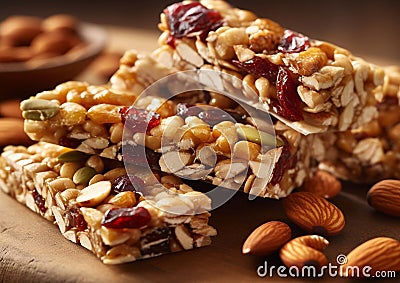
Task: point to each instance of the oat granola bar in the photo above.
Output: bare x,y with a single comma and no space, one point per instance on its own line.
311,85
223,148
95,205
370,153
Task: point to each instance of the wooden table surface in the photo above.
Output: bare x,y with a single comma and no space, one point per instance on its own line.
32,249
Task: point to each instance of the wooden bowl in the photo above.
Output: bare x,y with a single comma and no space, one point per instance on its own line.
24,79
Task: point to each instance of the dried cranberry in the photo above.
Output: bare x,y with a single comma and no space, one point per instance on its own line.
259,67
131,217
285,162
186,19
127,183
39,201
69,142
77,219
289,100
293,42
139,120
156,242
138,155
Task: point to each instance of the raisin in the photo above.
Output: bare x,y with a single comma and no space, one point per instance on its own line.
77,219
127,183
289,100
186,19
39,201
131,217
133,154
293,42
139,120
69,142
259,67
156,242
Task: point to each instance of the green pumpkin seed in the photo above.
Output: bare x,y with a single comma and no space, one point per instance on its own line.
37,104
83,175
39,115
253,135
72,156
39,109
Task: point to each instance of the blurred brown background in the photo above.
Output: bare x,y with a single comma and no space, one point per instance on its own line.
368,28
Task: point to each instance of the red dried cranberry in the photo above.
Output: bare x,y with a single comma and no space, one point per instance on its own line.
69,142
133,154
186,19
293,42
127,183
131,217
139,120
285,162
259,67
289,100
77,219
39,201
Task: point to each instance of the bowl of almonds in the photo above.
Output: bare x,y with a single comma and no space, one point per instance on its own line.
38,53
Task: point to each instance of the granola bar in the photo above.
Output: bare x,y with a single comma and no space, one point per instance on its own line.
227,148
311,85
370,153
95,204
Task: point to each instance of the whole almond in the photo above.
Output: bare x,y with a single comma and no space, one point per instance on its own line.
304,251
381,254
323,184
314,214
267,238
10,109
384,196
12,132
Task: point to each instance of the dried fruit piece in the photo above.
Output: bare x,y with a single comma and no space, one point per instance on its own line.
267,238
384,196
259,67
380,254
39,201
323,184
288,99
305,251
286,161
139,120
127,183
156,242
132,217
314,214
191,19
293,42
